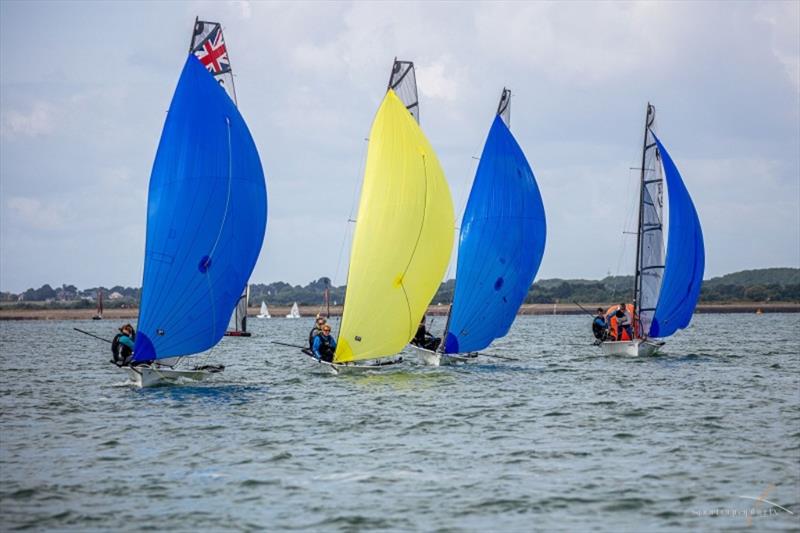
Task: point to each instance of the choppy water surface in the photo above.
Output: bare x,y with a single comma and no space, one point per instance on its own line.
564,438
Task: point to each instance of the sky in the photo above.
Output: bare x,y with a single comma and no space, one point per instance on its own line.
84,88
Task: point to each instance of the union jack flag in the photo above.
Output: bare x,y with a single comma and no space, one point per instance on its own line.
213,54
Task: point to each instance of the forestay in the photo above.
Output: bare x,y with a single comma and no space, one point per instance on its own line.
206,218
402,241
501,242
685,264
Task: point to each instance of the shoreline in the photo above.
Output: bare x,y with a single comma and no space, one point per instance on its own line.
433,310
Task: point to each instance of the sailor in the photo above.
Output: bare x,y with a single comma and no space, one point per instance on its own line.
122,345
623,322
316,330
324,345
424,339
600,326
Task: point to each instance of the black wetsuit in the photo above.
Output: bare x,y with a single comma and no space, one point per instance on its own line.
425,340
121,353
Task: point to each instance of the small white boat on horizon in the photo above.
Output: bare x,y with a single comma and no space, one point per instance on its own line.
295,312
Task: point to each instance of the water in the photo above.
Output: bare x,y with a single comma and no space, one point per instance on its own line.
562,439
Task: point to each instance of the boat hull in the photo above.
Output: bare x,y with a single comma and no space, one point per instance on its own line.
375,365
149,376
634,348
431,358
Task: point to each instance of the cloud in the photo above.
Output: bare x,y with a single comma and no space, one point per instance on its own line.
245,8
39,121
784,36
438,80
35,213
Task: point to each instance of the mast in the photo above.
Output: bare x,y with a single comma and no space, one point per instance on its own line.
328,298
648,121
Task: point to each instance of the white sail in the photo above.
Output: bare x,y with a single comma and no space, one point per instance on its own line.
295,312
264,311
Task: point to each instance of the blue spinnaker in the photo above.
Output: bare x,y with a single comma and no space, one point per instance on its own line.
683,269
501,245
206,218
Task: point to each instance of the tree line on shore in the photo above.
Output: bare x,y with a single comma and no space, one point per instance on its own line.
762,285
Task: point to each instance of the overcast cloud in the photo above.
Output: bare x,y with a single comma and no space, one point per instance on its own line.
84,88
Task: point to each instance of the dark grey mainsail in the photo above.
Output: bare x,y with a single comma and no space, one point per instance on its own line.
650,244
403,81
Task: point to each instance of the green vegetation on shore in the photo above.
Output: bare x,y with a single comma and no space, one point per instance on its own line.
762,285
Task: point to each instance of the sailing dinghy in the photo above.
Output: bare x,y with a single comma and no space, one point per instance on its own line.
501,245
294,312
206,218
264,311
99,314
403,235
665,292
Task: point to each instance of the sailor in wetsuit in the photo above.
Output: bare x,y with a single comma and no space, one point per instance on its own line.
424,339
324,345
316,330
122,346
600,326
623,322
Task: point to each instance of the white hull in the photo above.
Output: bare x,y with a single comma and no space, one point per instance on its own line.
634,348
430,358
148,376
263,316
374,365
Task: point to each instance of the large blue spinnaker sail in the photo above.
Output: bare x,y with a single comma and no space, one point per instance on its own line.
501,244
685,263
206,218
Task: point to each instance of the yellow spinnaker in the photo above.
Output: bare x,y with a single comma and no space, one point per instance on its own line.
403,238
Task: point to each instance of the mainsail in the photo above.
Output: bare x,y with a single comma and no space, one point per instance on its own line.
208,45
206,218
403,81
650,263
403,236
502,242
238,320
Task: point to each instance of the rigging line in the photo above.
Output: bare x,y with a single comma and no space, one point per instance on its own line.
228,199
346,233
416,243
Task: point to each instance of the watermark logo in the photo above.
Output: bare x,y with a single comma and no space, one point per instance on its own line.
761,508
763,499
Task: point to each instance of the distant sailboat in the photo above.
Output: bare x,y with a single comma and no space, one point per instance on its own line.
500,247
99,315
264,311
295,312
403,234
206,218
665,292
